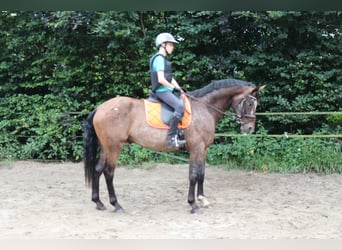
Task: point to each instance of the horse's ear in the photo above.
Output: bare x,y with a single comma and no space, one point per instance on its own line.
261,87
258,89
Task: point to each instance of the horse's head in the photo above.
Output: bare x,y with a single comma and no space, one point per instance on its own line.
244,106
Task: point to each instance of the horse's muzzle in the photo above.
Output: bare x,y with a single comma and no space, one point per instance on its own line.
248,127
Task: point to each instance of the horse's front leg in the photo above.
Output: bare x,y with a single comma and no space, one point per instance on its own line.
196,176
192,185
200,181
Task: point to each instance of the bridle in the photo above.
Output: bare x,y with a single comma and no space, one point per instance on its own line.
245,109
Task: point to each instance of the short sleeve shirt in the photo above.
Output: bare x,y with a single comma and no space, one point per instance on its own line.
158,64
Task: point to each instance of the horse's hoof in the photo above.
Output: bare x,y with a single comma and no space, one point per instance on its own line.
119,210
100,207
203,200
195,210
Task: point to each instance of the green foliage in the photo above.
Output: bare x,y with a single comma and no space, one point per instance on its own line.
278,155
55,67
38,129
134,154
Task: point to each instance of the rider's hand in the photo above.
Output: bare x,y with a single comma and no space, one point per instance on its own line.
176,91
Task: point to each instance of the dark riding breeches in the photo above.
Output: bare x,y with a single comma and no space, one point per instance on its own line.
173,101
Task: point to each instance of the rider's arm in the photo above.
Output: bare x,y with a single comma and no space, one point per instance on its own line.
163,81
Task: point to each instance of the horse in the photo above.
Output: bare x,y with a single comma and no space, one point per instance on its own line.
121,120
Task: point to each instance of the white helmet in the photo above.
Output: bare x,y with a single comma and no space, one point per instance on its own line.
163,38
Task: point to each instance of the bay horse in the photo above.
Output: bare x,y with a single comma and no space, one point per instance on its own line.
122,120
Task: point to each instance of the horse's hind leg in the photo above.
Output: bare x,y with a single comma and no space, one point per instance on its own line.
109,175
95,185
111,163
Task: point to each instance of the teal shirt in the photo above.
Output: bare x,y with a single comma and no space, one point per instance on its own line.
159,65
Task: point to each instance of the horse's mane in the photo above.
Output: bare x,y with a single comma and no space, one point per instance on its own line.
218,84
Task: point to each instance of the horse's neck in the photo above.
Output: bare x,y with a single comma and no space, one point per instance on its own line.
222,100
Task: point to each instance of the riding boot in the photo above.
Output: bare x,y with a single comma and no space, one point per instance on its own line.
172,137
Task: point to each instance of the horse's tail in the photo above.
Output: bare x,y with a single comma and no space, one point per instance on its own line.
90,146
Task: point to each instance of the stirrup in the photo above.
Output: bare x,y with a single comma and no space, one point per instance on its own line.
174,142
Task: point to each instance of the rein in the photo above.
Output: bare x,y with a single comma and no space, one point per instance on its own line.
229,115
241,106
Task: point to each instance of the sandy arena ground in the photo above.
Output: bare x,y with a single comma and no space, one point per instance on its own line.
51,201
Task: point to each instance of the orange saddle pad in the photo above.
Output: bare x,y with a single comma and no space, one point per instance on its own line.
154,116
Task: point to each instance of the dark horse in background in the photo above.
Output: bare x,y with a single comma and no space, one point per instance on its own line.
122,120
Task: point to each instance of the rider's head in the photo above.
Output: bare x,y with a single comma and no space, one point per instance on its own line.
164,38
166,41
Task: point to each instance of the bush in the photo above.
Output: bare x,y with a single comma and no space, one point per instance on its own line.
267,154
39,129
55,63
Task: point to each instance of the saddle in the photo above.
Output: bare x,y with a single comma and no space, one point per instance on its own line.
158,114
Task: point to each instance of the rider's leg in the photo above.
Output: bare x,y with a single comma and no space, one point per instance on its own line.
178,105
172,135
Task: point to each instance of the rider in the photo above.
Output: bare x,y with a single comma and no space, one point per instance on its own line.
165,86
